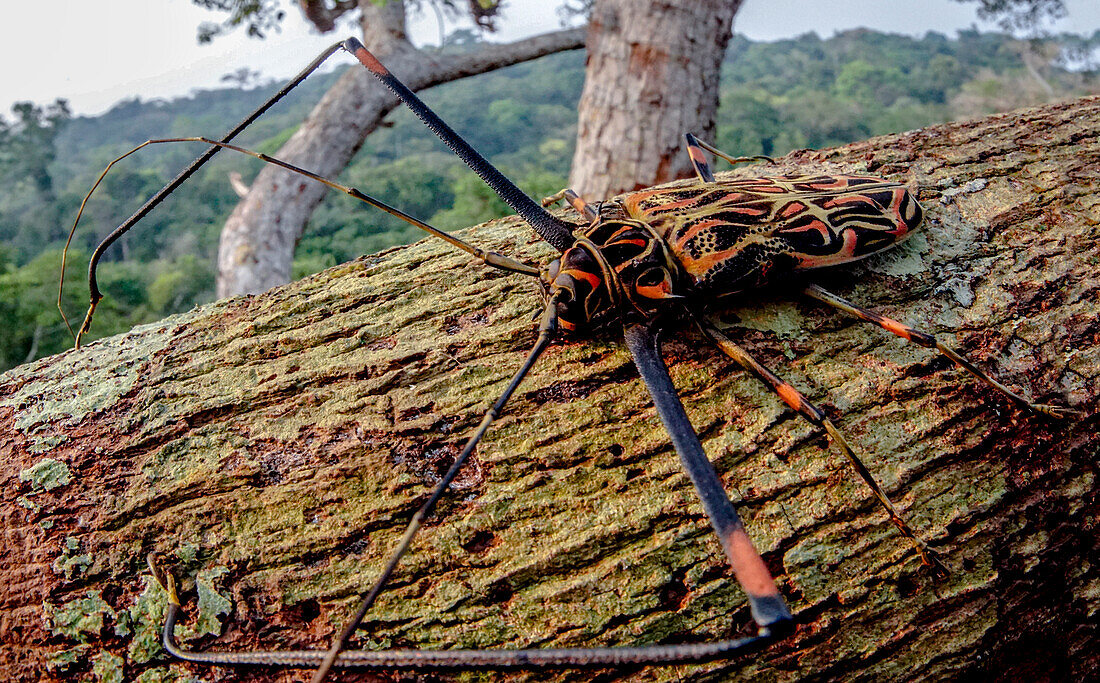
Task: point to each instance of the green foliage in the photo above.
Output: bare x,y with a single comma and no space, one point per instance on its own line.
1020,14
27,144
179,284
135,292
803,92
260,17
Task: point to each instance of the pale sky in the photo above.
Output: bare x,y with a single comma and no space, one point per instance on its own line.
95,53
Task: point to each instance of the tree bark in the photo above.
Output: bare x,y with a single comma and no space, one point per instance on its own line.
652,75
275,447
258,240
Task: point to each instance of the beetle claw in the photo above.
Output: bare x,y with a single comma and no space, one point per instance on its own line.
1057,412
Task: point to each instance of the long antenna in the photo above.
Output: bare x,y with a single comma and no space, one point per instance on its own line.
557,232
93,285
488,257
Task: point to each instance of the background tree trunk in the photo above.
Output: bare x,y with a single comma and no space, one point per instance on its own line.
651,76
258,240
275,446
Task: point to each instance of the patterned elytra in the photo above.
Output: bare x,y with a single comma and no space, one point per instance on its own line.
732,235
717,238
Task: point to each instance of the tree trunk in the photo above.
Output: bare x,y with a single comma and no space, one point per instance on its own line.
258,240
276,446
652,75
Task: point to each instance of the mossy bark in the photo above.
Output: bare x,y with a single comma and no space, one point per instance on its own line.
275,446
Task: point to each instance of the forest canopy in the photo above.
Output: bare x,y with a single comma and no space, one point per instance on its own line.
775,97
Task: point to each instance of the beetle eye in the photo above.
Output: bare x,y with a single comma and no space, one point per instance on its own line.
653,276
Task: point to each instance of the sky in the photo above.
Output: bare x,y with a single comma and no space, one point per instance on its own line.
97,53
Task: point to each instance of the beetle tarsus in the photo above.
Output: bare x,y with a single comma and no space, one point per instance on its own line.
1056,412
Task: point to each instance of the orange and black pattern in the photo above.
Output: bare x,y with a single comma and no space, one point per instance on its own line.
616,265
733,235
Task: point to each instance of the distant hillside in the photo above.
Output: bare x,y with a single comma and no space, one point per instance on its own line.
804,92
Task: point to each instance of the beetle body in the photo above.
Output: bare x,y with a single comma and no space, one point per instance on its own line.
714,239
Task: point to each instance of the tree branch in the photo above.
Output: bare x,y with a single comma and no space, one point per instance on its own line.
491,56
275,447
257,245
323,16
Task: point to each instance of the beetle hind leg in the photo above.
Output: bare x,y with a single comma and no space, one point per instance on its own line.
696,147
814,415
929,341
698,158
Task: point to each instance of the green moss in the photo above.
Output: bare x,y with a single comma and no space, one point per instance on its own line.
188,553
63,660
77,384
904,259
123,624
48,442
71,566
166,674
779,318
146,617
79,619
107,667
212,604
47,474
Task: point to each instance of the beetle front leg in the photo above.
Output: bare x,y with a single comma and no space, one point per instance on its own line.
815,416
93,264
579,205
929,341
768,608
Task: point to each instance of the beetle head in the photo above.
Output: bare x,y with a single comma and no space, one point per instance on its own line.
584,292
616,265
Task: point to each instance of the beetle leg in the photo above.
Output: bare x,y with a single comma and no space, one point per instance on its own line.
814,415
929,341
93,283
695,148
479,660
579,205
552,229
768,608
487,257
698,159
548,325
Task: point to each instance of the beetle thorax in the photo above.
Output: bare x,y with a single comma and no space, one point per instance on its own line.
615,266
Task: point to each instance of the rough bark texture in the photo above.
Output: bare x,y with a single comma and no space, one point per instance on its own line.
652,75
275,446
258,240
